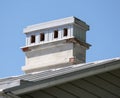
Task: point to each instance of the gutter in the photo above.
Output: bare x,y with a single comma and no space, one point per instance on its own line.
84,71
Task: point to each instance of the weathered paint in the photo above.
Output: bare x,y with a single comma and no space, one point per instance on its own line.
49,34
79,33
48,56
104,85
55,51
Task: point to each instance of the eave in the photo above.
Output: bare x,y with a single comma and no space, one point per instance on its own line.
66,74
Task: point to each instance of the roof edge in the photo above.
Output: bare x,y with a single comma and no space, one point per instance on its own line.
85,71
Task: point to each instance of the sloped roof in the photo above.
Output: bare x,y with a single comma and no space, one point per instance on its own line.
51,77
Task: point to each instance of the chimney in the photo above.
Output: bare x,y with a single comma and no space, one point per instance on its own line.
55,44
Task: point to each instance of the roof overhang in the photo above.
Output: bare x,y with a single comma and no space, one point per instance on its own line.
66,74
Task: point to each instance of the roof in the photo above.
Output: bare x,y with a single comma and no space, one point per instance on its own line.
43,79
55,23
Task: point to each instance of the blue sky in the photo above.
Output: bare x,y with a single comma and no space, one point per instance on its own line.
103,16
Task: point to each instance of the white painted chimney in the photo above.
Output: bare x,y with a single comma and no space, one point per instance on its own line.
55,44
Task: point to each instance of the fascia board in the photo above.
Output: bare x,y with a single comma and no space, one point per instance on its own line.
86,71
9,84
